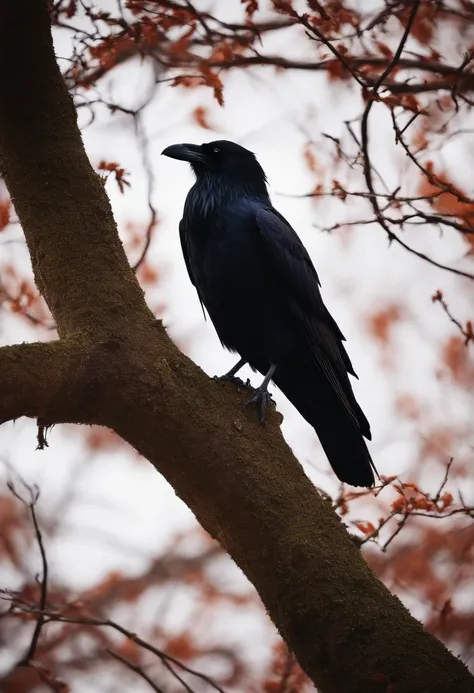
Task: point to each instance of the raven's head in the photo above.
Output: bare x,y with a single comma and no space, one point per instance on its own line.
222,159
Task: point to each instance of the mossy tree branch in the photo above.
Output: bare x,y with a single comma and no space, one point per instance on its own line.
241,480
44,381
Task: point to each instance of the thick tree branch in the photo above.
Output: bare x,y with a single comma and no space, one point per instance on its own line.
53,381
83,289
240,479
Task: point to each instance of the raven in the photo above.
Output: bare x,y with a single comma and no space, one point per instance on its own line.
257,282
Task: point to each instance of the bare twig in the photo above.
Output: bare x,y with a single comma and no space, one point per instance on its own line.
54,616
150,182
368,164
430,176
34,495
138,670
444,481
467,331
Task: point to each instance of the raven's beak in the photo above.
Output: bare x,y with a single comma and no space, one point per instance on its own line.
185,152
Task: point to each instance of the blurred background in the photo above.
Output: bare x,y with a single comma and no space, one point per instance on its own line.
380,189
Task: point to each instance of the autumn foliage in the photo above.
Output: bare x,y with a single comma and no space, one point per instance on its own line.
408,68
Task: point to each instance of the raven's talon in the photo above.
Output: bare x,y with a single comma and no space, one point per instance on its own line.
230,379
261,398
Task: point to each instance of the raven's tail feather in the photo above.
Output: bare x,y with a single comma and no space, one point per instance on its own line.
340,434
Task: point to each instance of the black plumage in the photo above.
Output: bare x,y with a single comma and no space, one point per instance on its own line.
258,284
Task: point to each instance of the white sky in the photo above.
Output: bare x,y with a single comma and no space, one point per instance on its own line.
273,115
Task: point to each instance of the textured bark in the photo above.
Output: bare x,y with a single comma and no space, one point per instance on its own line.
115,366
46,379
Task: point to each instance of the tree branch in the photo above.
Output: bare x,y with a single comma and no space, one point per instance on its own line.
240,479
51,381
464,81
70,277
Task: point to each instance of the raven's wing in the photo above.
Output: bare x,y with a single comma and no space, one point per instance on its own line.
292,264
187,259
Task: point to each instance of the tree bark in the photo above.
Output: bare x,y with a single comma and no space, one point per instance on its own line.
115,366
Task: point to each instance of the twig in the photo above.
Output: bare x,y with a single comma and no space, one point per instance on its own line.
368,165
422,256
400,526
151,182
34,495
445,480
368,108
138,670
432,178
468,56
167,659
179,678
467,332
311,29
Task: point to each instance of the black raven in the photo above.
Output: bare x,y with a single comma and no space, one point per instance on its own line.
258,284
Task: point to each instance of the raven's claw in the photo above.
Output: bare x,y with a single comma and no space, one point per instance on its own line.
262,398
226,378
230,375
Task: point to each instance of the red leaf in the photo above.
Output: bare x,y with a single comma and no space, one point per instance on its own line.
5,206
200,115
365,527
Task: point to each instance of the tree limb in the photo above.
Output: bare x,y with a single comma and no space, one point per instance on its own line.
52,381
464,81
240,479
83,289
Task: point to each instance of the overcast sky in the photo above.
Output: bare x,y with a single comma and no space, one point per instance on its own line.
274,116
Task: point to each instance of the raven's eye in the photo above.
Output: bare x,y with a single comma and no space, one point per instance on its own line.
216,150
